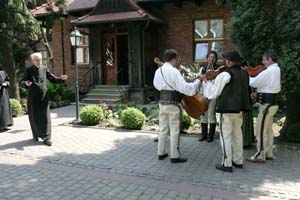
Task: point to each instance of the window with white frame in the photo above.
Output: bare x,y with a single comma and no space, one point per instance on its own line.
208,35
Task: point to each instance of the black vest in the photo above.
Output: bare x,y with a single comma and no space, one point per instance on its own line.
235,95
204,68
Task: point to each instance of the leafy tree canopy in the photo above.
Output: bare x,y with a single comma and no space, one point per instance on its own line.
259,25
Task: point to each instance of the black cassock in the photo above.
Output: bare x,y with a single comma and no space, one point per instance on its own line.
5,110
37,102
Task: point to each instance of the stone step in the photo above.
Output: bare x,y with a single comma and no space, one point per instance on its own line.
108,90
104,95
112,86
97,101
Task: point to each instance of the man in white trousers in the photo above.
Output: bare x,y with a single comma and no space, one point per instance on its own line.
268,86
170,83
231,88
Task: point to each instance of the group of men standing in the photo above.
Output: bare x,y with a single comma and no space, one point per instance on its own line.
227,94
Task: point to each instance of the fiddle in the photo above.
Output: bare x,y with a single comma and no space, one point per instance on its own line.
212,74
254,71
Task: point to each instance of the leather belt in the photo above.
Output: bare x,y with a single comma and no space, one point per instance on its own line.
267,98
170,97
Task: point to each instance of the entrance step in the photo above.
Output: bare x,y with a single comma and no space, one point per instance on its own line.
108,94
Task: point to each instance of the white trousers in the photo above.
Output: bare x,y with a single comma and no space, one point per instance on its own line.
210,114
264,131
231,138
169,122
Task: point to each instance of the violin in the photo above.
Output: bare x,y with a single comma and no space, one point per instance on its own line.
212,74
254,71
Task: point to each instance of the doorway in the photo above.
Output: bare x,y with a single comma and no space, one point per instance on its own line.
115,54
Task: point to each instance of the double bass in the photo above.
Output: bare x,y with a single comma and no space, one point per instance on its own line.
196,105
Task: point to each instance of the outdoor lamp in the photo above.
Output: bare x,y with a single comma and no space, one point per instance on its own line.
76,38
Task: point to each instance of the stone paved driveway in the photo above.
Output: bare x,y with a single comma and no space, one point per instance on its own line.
94,163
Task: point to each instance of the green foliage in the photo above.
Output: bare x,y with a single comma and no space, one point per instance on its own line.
256,26
91,114
293,133
16,107
65,92
186,121
281,121
132,118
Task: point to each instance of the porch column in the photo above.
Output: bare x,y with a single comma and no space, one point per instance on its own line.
137,91
95,51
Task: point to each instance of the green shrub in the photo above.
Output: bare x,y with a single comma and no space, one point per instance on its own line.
186,121
16,107
132,118
281,121
293,133
91,114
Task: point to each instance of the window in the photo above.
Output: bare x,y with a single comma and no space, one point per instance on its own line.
82,54
208,36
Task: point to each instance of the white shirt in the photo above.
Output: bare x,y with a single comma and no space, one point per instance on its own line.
268,81
172,76
214,89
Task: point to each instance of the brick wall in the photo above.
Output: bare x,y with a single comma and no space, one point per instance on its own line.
179,32
56,46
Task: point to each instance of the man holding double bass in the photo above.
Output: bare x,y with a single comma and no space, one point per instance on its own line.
171,84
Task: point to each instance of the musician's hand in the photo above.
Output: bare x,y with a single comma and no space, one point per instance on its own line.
4,84
202,77
64,77
28,83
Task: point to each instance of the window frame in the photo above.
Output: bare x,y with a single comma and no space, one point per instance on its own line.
208,40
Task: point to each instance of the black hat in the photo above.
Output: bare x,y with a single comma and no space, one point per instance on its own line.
232,55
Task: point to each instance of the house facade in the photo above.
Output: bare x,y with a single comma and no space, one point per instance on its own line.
122,37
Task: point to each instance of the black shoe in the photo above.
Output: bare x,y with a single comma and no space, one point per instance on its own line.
210,139
36,139
223,168
178,160
155,140
269,158
161,157
204,137
47,142
240,166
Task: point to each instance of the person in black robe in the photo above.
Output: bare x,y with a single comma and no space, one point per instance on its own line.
5,109
35,80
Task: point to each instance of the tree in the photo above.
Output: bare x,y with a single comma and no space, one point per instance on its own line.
18,30
259,25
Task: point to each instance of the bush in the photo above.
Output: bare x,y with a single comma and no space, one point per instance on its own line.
132,118
293,133
91,114
16,107
186,121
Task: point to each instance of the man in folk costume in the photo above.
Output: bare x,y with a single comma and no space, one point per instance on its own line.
210,114
231,88
170,83
268,86
5,109
35,80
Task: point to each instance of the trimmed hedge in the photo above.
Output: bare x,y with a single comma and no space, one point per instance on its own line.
16,107
91,114
186,121
132,118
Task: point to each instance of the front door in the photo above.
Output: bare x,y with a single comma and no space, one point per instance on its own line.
115,67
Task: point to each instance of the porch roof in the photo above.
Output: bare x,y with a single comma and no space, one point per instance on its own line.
137,15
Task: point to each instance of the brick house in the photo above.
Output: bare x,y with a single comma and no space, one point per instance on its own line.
121,38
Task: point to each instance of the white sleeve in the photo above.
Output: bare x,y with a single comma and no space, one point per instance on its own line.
184,87
156,81
215,88
260,80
